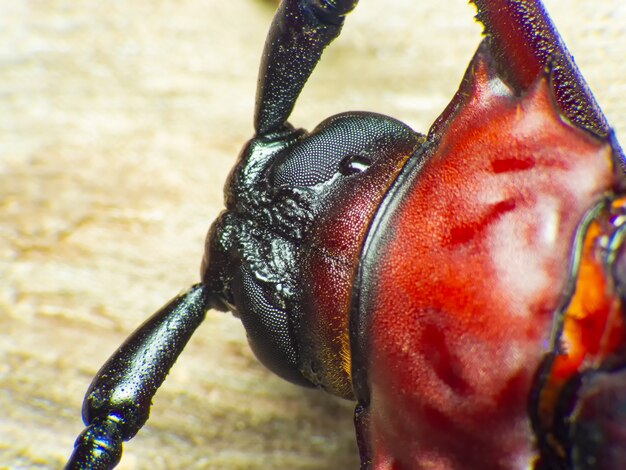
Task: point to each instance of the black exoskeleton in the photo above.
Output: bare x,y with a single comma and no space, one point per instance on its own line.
274,195
281,182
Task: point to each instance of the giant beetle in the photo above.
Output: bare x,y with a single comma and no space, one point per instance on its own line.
416,355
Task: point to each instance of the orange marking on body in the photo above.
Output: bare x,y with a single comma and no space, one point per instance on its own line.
593,327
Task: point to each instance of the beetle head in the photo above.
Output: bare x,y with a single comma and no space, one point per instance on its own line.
291,200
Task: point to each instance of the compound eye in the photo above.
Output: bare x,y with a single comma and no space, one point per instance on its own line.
345,144
268,328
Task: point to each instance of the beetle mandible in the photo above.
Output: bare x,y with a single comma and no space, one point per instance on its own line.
463,286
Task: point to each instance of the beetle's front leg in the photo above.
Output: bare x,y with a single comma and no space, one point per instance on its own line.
525,43
117,403
299,33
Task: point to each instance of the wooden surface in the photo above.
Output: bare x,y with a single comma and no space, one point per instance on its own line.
118,124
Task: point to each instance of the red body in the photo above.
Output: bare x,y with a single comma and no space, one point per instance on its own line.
468,263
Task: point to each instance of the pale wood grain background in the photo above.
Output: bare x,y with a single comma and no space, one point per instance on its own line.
118,124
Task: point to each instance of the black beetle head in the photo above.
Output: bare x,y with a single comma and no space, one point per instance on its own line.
275,195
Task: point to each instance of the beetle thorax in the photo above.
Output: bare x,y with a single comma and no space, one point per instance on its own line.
283,255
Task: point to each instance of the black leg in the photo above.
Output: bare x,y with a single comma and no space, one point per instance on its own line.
118,400
362,427
525,42
299,33
594,424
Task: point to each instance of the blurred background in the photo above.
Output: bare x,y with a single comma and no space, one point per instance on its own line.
119,122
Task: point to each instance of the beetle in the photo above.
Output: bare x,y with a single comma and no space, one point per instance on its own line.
248,268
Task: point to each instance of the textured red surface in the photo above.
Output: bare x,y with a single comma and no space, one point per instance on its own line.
473,272
525,43
333,254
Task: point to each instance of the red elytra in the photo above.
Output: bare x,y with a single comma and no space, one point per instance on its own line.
468,264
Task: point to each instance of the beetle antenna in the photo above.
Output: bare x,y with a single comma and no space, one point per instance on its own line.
299,33
117,403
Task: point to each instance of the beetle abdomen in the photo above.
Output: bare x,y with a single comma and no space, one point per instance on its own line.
464,268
